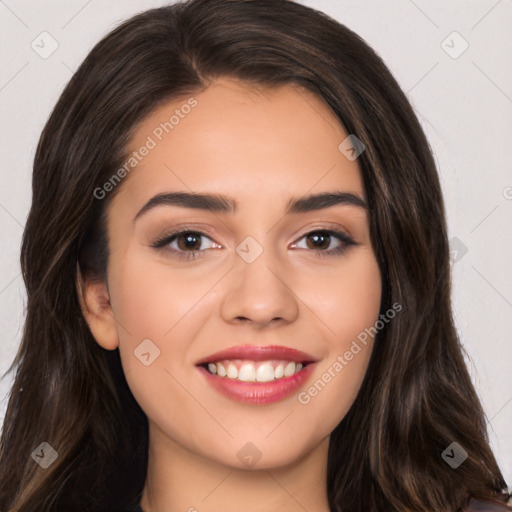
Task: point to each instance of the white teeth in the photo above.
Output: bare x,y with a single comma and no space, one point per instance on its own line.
289,369
232,372
221,371
247,373
264,371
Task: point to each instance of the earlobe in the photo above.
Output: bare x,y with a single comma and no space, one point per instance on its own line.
97,310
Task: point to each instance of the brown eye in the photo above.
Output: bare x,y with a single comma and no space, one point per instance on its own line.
320,241
186,244
190,241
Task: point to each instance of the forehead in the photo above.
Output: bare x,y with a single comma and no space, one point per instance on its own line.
240,140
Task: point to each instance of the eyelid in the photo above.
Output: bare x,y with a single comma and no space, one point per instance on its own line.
177,230
163,241
327,226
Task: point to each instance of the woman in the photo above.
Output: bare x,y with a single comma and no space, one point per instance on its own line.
305,357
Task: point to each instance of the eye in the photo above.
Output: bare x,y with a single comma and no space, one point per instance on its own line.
319,239
187,244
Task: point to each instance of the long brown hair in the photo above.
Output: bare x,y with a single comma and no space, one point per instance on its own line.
417,397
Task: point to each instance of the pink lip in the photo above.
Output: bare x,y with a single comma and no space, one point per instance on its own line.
255,353
257,392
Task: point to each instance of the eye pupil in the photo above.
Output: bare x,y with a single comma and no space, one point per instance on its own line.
319,237
191,241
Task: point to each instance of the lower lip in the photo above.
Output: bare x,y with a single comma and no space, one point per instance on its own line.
258,393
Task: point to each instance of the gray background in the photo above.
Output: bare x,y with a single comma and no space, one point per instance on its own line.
463,103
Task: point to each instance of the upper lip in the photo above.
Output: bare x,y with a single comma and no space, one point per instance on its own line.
259,353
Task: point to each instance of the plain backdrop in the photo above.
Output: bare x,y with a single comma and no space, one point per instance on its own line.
452,59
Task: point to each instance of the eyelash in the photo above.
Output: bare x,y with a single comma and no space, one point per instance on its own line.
189,255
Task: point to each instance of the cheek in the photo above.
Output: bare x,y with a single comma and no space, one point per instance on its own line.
166,307
348,300
359,304
150,300
349,308
151,306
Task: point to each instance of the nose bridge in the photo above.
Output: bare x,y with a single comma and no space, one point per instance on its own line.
254,262
256,290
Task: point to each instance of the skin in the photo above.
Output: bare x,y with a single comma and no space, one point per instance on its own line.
260,147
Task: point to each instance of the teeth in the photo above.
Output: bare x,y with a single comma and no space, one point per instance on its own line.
232,372
221,371
265,373
249,371
289,369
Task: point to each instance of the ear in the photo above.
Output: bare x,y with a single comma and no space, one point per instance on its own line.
95,304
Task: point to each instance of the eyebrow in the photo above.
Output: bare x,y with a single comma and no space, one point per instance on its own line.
224,204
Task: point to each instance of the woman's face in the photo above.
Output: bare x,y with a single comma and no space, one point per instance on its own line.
258,276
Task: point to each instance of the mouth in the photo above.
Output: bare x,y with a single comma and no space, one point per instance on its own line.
257,375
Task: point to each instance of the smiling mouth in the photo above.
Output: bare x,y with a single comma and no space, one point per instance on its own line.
244,370
257,374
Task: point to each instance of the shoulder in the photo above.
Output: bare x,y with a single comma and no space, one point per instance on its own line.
480,504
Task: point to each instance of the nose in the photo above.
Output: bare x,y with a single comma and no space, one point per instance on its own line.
259,293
